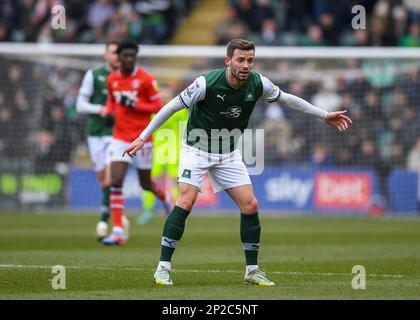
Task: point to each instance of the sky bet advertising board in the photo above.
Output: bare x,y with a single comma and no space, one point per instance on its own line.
286,189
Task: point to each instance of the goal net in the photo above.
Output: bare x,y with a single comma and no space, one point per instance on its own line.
304,166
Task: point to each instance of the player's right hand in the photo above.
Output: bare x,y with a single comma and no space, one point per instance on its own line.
134,146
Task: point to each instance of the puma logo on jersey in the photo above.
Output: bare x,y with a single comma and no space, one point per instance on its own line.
232,112
221,97
101,78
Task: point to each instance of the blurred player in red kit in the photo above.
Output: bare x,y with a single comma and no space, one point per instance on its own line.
133,96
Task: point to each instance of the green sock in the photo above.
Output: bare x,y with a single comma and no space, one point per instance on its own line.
148,201
172,232
105,204
250,237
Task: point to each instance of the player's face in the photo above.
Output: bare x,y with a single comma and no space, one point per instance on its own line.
241,64
111,56
127,58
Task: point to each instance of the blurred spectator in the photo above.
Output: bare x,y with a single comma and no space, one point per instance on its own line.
246,13
277,133
410,83
321,156
343,156
155,25
155,21
397,158
372,108
413,8
116,26
135,26
368,156
314,37
386,22
44,153
361,38
399,21
410,128
269,33
297,15
230,27
412,39
6,130
99,13
327,98
148,21
264,11
328,27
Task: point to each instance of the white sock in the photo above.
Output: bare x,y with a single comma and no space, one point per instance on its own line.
165,264
251,267
117,229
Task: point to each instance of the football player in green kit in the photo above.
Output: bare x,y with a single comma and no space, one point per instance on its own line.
91,100
222,99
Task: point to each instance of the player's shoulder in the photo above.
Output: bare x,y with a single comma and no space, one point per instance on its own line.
114,75
144,74
100,69
214,74
213,77
259,79
256,75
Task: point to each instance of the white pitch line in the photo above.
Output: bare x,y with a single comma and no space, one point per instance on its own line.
21,266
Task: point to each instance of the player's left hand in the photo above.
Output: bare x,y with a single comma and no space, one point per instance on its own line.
103,112
338,120
134,146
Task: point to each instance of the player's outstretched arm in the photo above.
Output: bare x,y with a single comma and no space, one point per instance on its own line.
338,120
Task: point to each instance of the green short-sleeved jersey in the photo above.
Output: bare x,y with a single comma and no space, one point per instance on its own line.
219,112
94,86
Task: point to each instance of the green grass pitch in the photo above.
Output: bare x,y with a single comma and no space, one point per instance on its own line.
307,257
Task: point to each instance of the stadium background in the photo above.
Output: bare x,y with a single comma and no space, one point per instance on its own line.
307,47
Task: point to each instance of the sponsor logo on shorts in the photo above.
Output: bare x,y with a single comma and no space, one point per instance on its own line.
186,173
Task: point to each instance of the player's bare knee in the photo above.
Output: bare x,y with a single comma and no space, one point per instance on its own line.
146,186
250,206
185,203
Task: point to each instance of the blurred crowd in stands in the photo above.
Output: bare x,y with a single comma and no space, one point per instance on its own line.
89,21
267,22
40,128
38,124
322,23
385,109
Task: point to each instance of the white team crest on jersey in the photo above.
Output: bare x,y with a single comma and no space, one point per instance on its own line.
101,78
249,97
135,83
232,112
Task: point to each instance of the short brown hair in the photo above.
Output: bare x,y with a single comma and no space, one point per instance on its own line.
240,44
110,42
